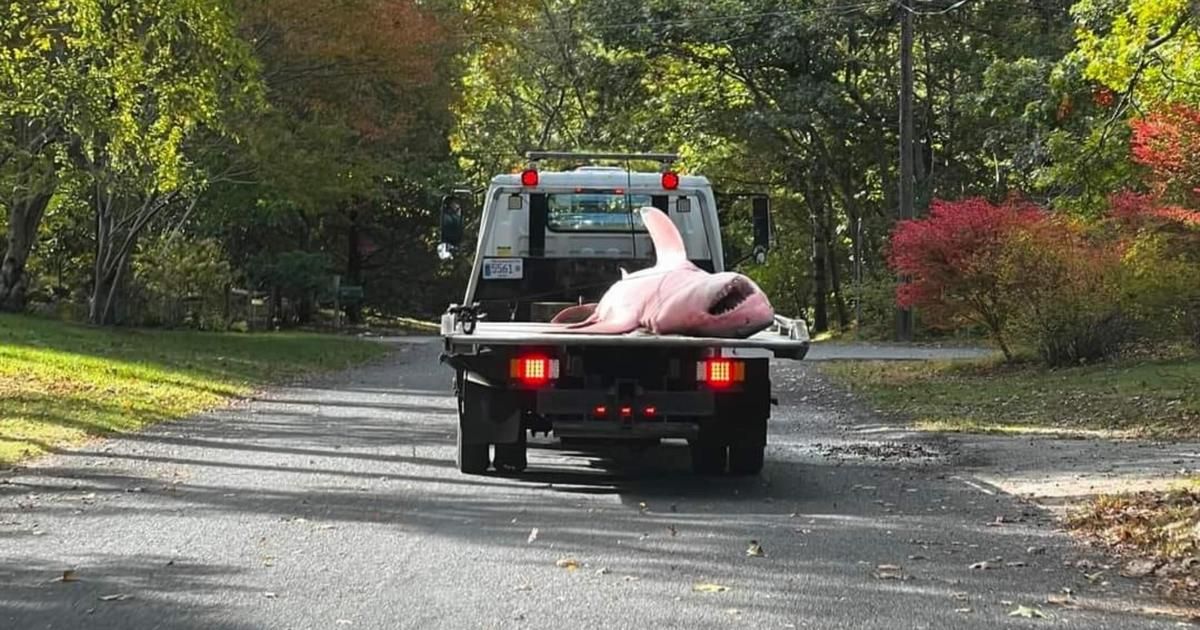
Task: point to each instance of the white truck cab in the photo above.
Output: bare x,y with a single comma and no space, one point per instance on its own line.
549,239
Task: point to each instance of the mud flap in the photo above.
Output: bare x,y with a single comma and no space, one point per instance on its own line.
490,415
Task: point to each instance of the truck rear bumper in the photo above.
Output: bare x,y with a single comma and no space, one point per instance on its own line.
636,430
582,402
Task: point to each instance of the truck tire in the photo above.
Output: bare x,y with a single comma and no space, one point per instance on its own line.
511,458
708,458
746,459
472,458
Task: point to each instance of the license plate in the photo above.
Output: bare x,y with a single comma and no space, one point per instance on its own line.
503,269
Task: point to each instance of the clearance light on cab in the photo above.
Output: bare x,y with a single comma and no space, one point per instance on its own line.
670,180
529,177
533,370
720,373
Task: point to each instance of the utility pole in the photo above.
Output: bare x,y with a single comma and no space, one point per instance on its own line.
904,316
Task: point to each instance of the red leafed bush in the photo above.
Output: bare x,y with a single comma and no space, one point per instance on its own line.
959,263
1014,269
1168,143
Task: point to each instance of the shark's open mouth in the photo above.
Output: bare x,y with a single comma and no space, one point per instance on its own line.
732,297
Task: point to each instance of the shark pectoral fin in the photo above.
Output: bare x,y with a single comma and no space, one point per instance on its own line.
575,314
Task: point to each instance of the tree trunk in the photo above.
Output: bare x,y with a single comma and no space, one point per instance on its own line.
24,218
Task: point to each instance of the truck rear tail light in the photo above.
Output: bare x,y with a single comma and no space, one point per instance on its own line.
720,373
600,411
650,412
670,180
626,412
529,177
533,370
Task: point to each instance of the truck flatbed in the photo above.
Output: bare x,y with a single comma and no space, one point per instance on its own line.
787,338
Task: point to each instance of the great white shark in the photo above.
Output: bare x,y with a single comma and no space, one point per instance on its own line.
674,296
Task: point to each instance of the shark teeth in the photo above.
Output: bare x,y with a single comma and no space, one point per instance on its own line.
730,298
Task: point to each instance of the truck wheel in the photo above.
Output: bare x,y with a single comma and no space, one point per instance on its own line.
511,458
746,459
472,458
708,458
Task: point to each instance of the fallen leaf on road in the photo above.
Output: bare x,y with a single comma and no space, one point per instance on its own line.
1028,613
706,587
889,572
68,576
755,550
270,595
1139,568
1094,577
569,564
1061,599
982,566
115,597
533,534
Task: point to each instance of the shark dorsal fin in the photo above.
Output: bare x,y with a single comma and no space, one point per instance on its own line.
668,244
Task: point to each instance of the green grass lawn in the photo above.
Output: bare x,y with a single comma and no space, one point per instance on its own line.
62,383
1159,398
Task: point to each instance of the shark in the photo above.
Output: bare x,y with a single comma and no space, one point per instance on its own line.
674,297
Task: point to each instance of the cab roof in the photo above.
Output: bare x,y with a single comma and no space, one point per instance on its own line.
601,177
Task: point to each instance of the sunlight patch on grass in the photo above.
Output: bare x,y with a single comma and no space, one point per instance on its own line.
61,384
1124,399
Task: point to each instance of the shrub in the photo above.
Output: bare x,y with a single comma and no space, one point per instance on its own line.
960,264
183,282
1161,250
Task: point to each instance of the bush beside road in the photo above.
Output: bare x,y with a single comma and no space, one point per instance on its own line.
61,383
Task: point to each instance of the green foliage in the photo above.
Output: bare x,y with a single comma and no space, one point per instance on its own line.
1142,49
184,281
297,274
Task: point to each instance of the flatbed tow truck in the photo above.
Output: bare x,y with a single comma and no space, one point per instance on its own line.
553,239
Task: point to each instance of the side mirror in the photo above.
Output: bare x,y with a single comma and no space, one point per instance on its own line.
452,226
762,228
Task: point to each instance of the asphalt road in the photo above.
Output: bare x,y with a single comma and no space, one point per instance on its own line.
336,504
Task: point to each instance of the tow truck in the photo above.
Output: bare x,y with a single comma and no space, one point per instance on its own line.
549,239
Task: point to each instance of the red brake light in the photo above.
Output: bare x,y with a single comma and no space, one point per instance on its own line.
529,177
600,411
626,412
650,412
670,180
533,370
720,373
